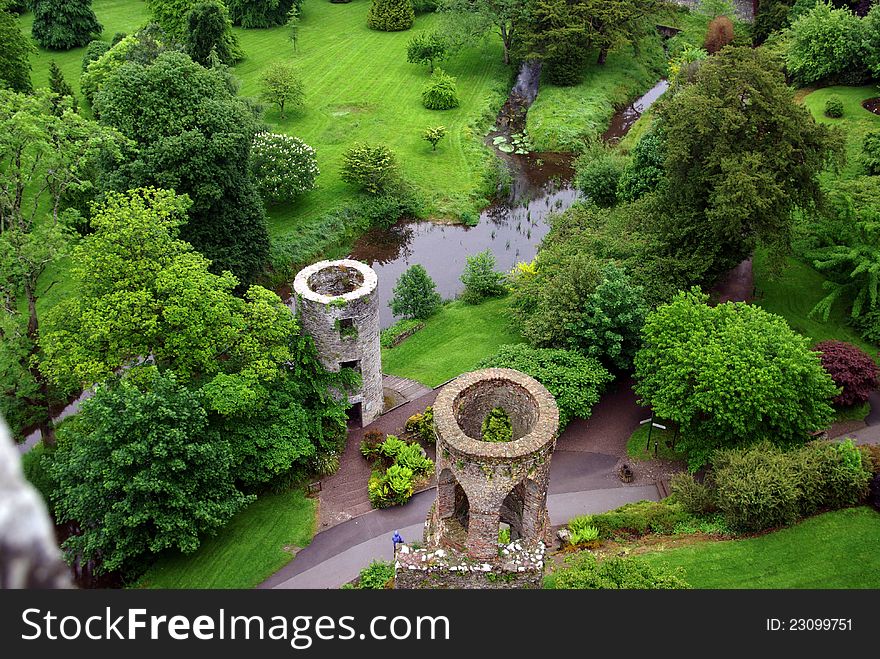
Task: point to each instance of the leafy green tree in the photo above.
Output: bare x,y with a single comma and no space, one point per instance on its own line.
871,31
575,381
372,168
283,86
43,157
261,13
62,93
140,472
15,63
415,294
771,16
479,17
391,15
740,156
824,42
94,50
208,34
64,24
644,172
598,177
433,136
480,278
730,375
871,153
194,136
611,325
427,48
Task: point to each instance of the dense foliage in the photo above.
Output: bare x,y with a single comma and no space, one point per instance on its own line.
433,135
729,375
193,135
575,381
15,65
480,279
283,86
584,571
391,15
637,518
260,13
718,34
208,34
834,107
825,42
644,171
283,166
598,177
62,93
851,368
427,48
415,294
64,24
372,168
871,153
496,426
440,92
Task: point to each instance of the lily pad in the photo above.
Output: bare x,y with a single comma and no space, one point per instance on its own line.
506,148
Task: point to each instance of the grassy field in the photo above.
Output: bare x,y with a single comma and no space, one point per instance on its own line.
794,294
855,122
638,442
453,342
834,550
245,552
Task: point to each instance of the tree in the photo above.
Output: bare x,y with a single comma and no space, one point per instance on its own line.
851,368
15,63
62,93
434,135
94,50
730,375
208,34
261,13
391,15
283,166
440,92
480,278
612,321
140,472
144,295
64,24
194,136
871,153
740,155
824,42
644,172
505,17
415,294
871,31
575,381
598,177
718,34
43,158
373,168
283,86
427,48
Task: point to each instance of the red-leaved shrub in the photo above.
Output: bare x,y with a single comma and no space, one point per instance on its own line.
850,368
718,34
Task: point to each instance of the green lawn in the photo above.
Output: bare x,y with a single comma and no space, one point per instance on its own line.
638,442
794,294
453,342
834,550
855,122
246,551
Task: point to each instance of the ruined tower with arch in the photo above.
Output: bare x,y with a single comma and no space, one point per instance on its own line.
484,487
339,308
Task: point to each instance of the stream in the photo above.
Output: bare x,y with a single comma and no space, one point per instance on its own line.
512,227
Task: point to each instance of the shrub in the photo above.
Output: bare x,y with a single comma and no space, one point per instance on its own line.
35,464
824,42
480,278
834,107
718,34
584,571
371,442
871,154
372,168
391,15
402,329
440,92
94,50
851,368
638,518
413,457
422,425
582,531
598,177
831,475
575,381
283,166
757,488
390,448
874,495
394,487
415,294
433,136
376,576
695,497
496,426
644,171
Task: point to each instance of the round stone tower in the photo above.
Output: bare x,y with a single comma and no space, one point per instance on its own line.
482,485
339,308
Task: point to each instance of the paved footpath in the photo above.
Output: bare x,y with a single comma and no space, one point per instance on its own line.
337,555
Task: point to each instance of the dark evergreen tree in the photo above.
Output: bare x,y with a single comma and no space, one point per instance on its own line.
207,27
60,90
15,65
260,13
64,24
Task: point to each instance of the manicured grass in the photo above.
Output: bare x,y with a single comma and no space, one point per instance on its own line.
245,552
833,550
453,341
855,122
853,412
794,294
565,118
638,441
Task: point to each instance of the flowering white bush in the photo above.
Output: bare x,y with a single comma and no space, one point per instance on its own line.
283,166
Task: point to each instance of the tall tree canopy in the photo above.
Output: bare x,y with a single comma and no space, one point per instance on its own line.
15,64
194,136
740,156
64,24
478,17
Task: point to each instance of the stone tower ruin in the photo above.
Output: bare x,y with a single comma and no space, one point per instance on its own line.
486,486
339,307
